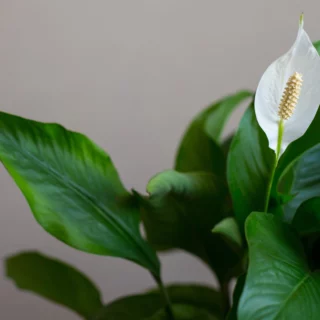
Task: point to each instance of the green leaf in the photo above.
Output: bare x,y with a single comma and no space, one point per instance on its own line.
307,218
249,167
73,189
279,283
184,312
180,212
130,308
232,315
199,149
229,229
297,149
196,295
55,281
306,181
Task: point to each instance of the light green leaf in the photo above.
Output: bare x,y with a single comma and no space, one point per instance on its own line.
199,149
180,212
249,167
229,229
279,283
73,189
130,308
55,281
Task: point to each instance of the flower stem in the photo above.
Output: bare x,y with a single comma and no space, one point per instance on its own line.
165,296
273,170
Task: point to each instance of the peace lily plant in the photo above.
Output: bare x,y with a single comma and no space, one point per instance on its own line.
248,206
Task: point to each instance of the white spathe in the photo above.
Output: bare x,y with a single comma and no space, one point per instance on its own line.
304,59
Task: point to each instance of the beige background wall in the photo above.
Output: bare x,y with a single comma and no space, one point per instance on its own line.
129,74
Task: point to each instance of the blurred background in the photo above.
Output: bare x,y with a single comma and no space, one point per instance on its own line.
130,75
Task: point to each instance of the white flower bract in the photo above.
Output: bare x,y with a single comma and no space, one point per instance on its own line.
302,59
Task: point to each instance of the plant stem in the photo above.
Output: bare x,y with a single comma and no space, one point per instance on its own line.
277,156
165,296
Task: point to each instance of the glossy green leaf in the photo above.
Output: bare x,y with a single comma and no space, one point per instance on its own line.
73,189
199,148
180,212
144,306
55,281
306,181
297,149
279,283
249,167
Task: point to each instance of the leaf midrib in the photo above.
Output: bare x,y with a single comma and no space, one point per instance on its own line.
294,291
100,208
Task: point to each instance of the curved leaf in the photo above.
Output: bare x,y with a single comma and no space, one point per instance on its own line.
55,281
306,181
229,229
180,212
297,149
279,283
73,189
249,167
184,312
199,148
130,308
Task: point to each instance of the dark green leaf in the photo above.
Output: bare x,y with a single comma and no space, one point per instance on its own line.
307,218
199,150
297,149
184,312
306,181
131,308
147,305
73,189
198,296
279,283
249,167
180,212
55,281
218,116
